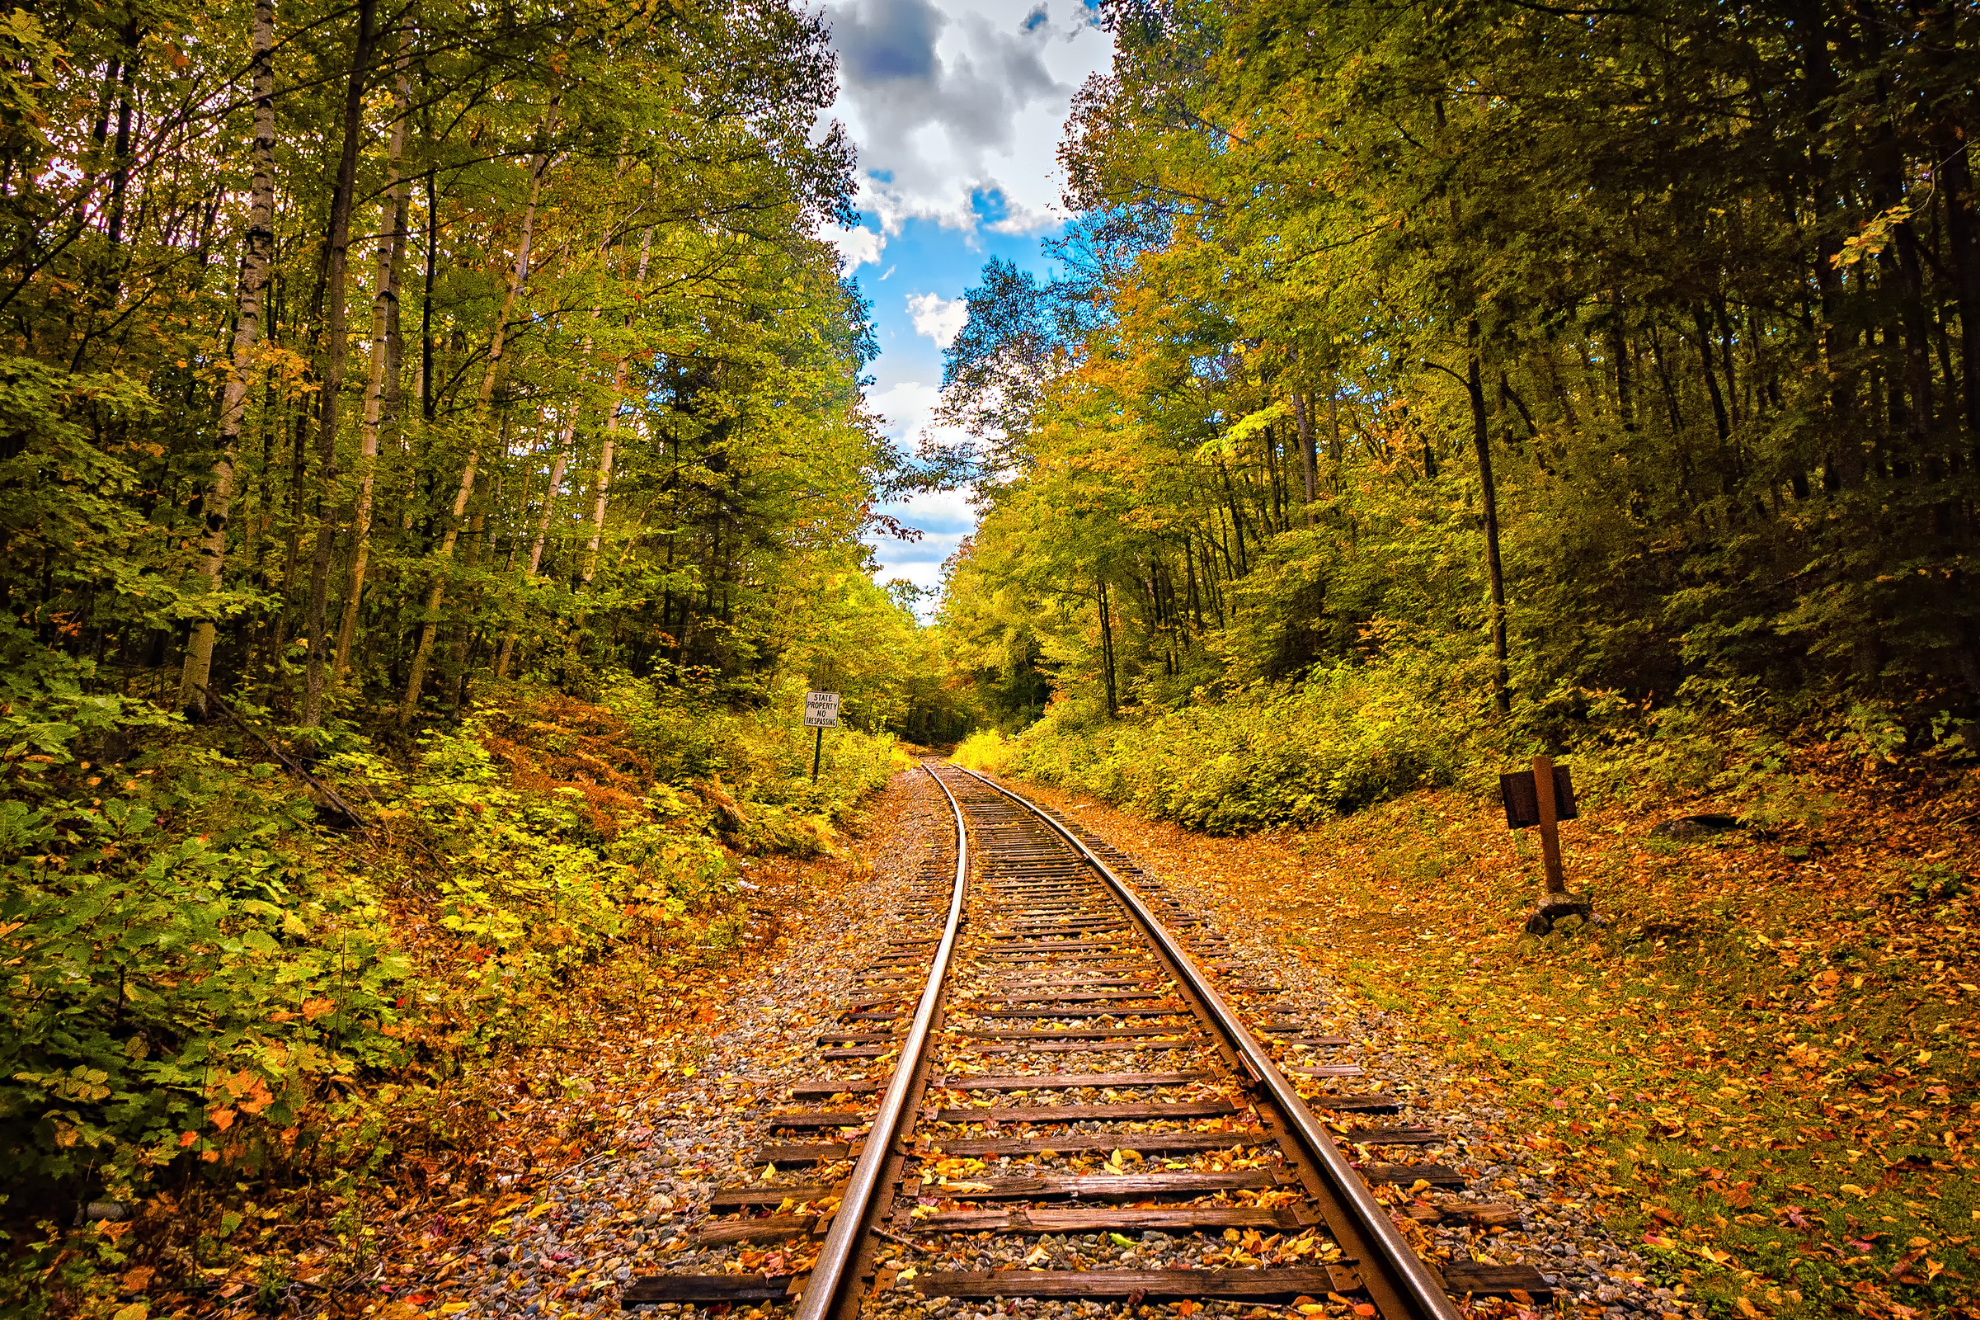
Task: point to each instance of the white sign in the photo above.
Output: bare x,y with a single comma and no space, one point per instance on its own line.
821,710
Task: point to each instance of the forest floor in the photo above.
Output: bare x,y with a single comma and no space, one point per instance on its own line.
1761,1069
627,1042
1762,1065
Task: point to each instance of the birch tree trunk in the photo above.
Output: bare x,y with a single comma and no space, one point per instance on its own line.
257,254
557,466
437,593
619,375
384,323
1303,418
336,351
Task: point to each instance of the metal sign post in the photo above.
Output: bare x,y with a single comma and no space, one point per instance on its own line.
821,712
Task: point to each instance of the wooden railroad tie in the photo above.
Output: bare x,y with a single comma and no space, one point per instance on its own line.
1144,1143
1067,1081
1083,1113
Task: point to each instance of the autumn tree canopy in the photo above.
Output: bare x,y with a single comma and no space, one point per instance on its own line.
1610,351
351,352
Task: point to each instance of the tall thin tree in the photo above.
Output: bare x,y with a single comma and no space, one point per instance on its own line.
336,350
384,323
443,556
257,258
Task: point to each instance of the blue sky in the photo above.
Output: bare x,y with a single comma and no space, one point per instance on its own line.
956,107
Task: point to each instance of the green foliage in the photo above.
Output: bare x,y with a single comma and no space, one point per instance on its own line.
1343,739
531,878
193,961
763,755
1560,367
162,984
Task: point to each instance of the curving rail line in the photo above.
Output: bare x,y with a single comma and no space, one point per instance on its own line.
1098,975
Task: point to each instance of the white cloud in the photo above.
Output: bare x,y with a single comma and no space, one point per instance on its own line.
906,407
1023,219
941,511
939,318
890,271
957,106
944,519
857,247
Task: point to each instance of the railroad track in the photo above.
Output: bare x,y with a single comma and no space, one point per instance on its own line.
1051,1056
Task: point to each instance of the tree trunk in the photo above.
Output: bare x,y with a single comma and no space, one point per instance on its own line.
454,672
1107,651
257,258
336,350
443,557
384,303
1303,417
1481,439
425,378
557,466
1963,237
612,428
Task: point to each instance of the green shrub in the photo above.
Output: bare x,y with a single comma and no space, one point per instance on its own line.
760,758
193,962
1342,739
162,986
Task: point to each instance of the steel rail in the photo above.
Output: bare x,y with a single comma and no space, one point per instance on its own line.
823,1289
1406,1287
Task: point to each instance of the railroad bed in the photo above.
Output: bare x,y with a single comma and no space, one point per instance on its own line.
1049,1050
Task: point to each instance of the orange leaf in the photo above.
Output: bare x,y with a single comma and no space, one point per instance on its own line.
257,1097
313,1009
187,1139
222,1118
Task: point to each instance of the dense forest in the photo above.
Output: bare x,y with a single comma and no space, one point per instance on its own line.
432,467
435,460
357,356
1563,363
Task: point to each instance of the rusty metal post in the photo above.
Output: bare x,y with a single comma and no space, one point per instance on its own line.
1550,829
818,748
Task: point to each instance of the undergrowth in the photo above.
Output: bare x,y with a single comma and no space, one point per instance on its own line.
208,989
1350,736
1267,756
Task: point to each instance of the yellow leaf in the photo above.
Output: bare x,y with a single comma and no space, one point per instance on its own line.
1854,1189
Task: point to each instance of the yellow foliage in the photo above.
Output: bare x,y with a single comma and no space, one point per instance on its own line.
986,750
